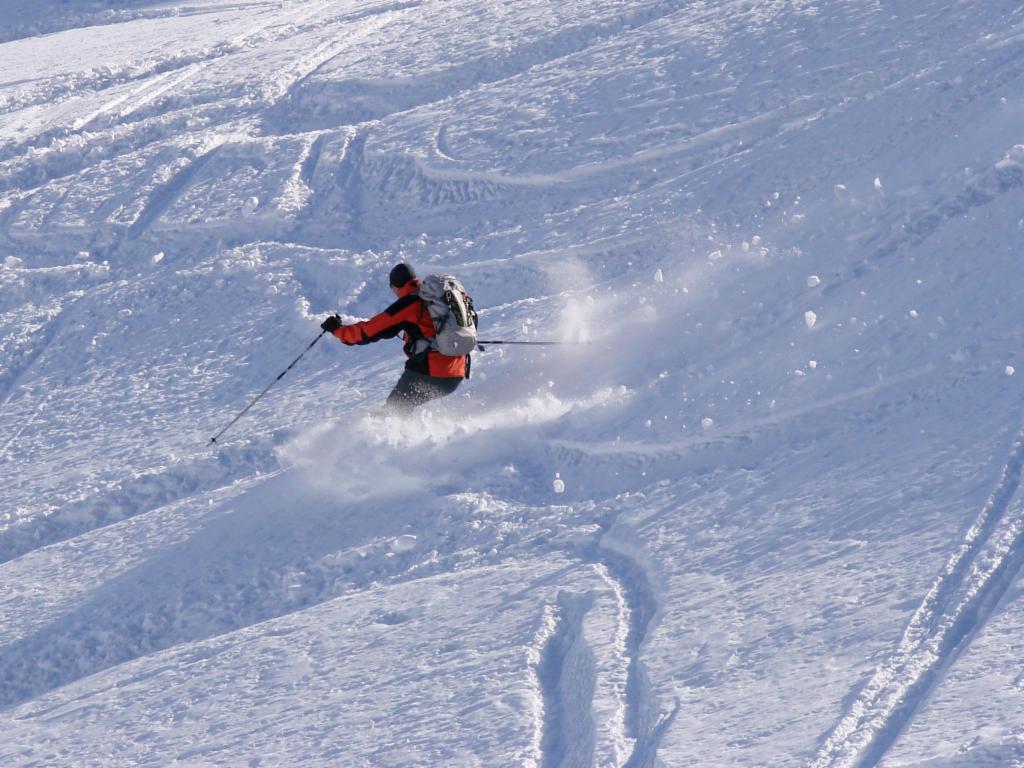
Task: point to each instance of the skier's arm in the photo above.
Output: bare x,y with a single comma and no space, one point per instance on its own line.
401,316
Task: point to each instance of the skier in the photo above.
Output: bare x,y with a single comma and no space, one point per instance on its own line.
428,374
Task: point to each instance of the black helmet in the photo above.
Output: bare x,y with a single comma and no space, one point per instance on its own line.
401,274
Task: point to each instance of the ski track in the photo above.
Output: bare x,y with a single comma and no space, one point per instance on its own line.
36,413
138,495
128,104
205,580
312,160
65,87
440,145
564,673
563,667
110,17
182,595
46,336
162,77
423,90
13,377
164,196
311,63
983,188
413,177
388,178
959,603
638,606
307,66
561,660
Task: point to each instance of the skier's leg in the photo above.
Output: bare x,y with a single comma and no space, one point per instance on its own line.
441,386
403,397
414,389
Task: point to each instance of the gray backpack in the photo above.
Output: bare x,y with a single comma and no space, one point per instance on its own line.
451,310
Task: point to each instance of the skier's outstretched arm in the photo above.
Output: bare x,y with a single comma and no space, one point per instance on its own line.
401,316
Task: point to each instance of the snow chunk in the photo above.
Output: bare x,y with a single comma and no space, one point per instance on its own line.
878,183
813,281
158,257
1010,370
404,543
913,313
1014,157
810,318
707,422
659,276
558,485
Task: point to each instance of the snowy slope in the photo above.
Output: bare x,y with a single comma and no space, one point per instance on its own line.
792,529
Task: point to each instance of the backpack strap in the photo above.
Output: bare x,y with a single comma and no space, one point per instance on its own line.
419,344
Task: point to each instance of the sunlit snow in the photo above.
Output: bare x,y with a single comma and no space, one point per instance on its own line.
759,506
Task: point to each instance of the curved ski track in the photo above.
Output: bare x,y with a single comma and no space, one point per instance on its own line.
565,672
960,601
122,124
138,495
563,667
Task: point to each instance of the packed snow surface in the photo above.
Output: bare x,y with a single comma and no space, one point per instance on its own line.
765,509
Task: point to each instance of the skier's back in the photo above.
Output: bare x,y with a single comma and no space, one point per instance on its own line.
428,373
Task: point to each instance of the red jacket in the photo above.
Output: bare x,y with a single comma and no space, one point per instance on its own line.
409,317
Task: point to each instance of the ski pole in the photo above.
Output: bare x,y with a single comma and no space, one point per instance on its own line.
481,344
267,388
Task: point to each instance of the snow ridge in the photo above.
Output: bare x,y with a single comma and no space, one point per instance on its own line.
960,601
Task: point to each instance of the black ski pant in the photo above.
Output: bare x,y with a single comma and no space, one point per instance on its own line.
414,389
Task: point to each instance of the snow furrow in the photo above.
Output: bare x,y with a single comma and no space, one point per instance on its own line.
137,495
308,65
563,668
164,196
5,450
27,356
980,189
232,567
718,502
359,100
960,601
66,19
311,160
60,88
134,100
643,724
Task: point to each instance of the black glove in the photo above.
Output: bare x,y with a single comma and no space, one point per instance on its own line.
331,324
